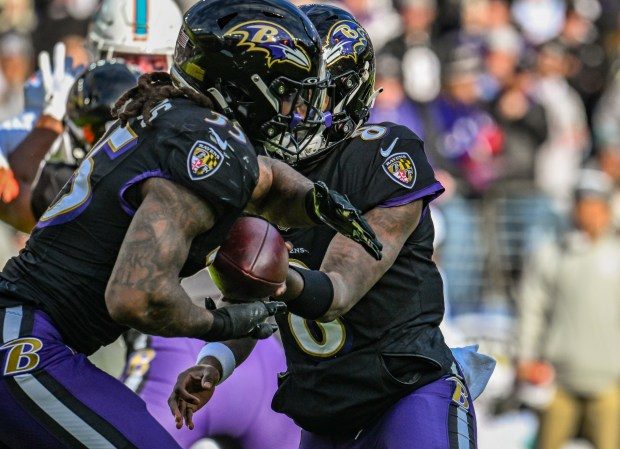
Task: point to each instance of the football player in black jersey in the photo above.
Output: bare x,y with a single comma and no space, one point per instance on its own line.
89,112
149,201
368,367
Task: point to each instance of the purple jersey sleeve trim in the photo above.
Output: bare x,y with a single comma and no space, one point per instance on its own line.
113,154
431,192
129,210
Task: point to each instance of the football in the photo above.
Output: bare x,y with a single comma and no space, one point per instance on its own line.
252,262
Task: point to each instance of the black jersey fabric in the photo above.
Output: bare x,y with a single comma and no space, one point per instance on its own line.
51,179
67,262
344,374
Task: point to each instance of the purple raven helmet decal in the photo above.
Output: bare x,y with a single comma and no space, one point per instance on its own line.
272,39
261,62
347,39
350,63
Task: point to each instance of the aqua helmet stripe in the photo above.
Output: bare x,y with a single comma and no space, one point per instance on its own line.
141,29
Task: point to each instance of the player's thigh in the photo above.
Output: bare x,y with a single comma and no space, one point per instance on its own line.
439,415
436,416
52,397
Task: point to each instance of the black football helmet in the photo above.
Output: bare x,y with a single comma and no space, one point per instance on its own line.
350,60
261,62
91,98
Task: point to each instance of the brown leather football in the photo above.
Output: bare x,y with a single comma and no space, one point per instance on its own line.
252,262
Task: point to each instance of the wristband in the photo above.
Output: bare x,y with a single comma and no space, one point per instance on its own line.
316,297
223,354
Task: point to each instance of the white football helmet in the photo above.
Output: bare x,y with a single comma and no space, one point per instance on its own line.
134,28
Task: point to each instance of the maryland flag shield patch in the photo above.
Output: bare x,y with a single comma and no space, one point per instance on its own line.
203,160
401,169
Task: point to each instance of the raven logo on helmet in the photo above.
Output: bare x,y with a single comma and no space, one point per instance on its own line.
272,39
346,40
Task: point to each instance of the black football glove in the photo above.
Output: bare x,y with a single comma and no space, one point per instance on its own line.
243,320
336,211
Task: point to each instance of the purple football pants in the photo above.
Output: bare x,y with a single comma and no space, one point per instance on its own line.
52,397
240,407
439,415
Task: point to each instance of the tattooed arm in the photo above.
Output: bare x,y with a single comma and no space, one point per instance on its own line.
280,194
144,290
288,199
352,270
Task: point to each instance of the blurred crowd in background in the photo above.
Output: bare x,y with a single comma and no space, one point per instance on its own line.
518,102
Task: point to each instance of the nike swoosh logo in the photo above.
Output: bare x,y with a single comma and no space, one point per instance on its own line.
386,153
220,142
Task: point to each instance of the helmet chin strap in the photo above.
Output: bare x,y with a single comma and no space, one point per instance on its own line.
215,94
262,87
340,106
221,102
371,100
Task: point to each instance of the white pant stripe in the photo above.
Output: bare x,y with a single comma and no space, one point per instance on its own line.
60,413
12,323
463,428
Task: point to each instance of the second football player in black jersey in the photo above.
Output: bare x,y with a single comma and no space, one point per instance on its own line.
368,367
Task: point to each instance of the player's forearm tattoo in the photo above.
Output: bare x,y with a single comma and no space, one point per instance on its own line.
280,194
144,284
352,270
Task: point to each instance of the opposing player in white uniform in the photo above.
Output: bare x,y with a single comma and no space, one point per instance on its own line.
142,32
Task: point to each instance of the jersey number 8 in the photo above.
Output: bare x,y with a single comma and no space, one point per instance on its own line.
333,334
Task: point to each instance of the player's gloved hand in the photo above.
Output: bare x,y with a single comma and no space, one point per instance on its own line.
244,320
193,389
336,211
56,83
